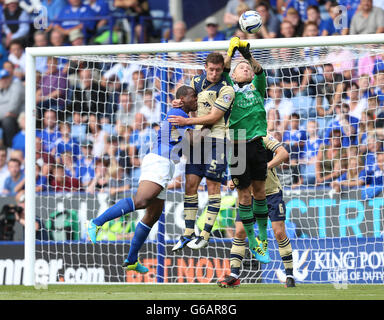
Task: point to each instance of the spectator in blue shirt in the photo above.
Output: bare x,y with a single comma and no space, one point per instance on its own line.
138,127
350,179
40,39
294,138
100,8
347,124
212,29
374,146
86,163
18,141
53,8
293,16
379,87
66,143
69,163
74,16
3,55
50,133
212,34
41,180
78,127
351,6
301,7
373,179
15,182
334,25
313,15
50,10
308,156
378,64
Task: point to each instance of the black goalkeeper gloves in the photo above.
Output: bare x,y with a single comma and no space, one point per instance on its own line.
244,49
241,45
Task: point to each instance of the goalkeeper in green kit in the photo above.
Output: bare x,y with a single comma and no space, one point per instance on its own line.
247,127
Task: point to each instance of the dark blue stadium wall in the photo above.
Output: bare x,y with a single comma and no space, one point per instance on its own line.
196,11
159,5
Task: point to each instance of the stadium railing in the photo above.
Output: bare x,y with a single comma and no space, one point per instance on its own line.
161,23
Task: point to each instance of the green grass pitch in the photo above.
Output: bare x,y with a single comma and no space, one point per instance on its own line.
194,292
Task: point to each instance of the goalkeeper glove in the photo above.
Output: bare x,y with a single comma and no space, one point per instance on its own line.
233,46
244,49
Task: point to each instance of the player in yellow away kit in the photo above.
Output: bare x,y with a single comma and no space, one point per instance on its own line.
214,99
276,211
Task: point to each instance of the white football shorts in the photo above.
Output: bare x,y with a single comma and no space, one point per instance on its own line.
157,169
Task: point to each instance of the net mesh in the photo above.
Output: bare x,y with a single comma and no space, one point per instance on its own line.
97,116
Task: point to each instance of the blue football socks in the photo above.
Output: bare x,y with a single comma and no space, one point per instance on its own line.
141,234
121,208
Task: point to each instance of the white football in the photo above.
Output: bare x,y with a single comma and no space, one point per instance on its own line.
250,21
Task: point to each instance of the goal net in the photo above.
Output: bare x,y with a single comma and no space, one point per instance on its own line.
97,115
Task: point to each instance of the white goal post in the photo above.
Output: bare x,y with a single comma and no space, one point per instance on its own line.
107,50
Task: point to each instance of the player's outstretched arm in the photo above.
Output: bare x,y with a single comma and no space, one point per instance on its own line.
210,119
244,49
233,46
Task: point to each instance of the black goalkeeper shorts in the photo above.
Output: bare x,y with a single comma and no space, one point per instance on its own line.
256,160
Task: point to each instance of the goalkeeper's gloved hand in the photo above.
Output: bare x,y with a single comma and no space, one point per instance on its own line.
244,49
233,46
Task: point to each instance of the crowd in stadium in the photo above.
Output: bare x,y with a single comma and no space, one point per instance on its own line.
337,142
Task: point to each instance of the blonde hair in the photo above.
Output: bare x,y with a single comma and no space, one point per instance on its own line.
237,64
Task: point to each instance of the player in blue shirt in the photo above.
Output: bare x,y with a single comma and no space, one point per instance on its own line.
157,170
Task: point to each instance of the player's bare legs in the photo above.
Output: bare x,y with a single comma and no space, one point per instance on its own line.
258,189
278,228
146,193
146,197
192,183
153,212
285,250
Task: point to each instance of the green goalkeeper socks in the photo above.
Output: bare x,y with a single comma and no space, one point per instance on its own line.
260,212
246,217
